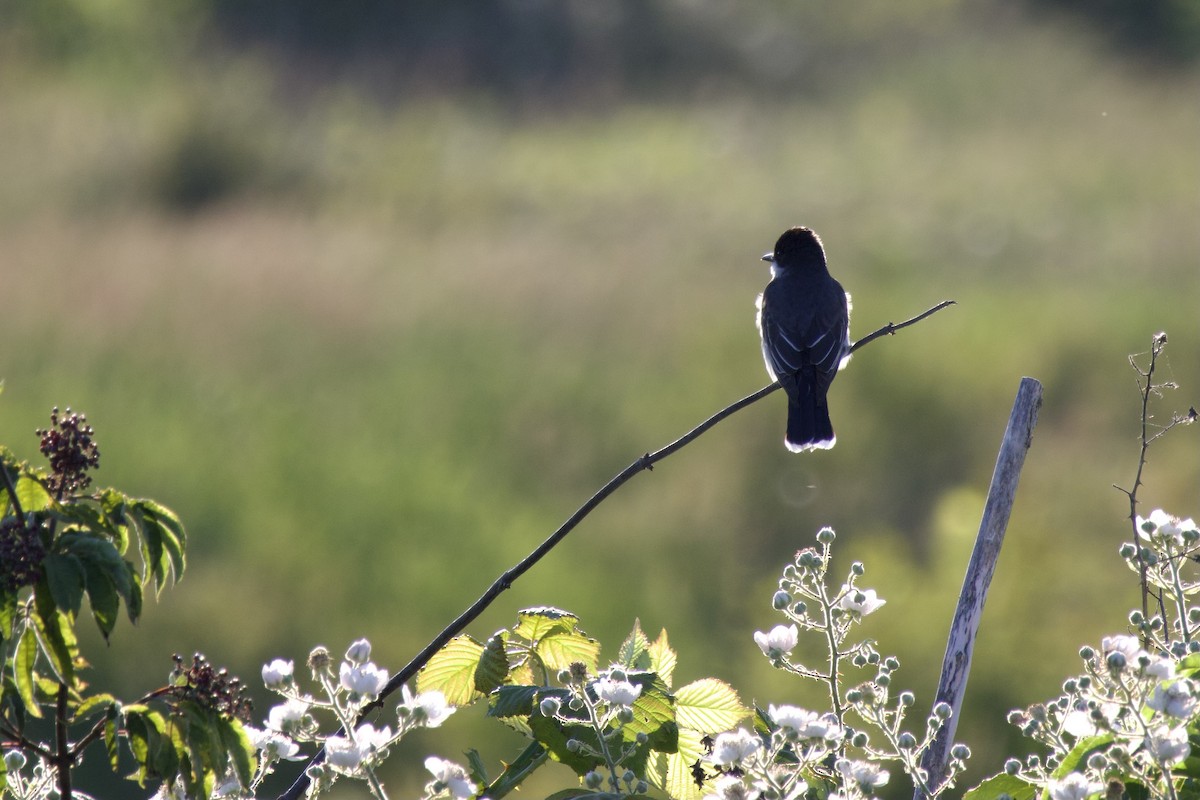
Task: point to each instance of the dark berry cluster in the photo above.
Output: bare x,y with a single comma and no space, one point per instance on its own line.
21,555
69,446
211,688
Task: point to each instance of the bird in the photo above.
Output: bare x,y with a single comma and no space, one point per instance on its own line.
804,321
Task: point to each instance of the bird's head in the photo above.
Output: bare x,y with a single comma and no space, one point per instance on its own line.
797,248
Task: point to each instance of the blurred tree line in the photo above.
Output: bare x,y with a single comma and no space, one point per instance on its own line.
553,50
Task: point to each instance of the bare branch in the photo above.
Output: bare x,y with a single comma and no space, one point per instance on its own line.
645,462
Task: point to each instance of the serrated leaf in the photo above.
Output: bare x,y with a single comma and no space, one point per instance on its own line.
23,673
1080,752
709,706
103,554
54,634
33,494
112,722
64,576
516,701
93,704
492,667
1000,784
515,773
672,772
662,658
170,532
239,747
558,651
102,597
580,792
535,623
635,650
451,671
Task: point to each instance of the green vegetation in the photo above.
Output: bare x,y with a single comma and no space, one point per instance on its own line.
382,349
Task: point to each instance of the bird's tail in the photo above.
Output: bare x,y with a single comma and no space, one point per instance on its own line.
808,425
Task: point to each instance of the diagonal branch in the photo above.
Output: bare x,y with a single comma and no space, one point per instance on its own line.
645,462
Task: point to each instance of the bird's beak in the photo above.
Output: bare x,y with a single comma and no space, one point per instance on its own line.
769,257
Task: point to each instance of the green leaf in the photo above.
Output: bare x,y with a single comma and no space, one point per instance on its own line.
239,747
492,668
1080,752
708,706
64,576
635,650
112,723
672,772
170,532
114,505
102,596
557,651
33,494
55,633
476,767
515,773
518,701
24,675
97,702
580,792
1000,784
662,658
451,671
8,614
535,623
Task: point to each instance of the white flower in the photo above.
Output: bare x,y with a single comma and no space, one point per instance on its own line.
617,693
451,777
1176,699
1163,528
287,717
1168,747
1079,723
730,749
859,602
342,754
1160,668
346,755
427,708
273,744
806,724
730,787
366,679
779,642
359,652
1074,787
278,673
868,776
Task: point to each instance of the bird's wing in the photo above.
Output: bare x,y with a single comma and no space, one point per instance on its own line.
818,342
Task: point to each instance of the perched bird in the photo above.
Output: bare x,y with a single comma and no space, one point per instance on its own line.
804,321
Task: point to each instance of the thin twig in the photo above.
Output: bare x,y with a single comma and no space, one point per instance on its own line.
62,761
1157,345
645,462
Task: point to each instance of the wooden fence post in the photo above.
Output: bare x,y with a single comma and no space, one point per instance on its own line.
957,663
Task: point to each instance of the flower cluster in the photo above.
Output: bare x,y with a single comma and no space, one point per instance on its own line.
599,707
21,555
792,747
1139,694
353,750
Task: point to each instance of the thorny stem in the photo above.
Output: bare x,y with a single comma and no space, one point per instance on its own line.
1157,345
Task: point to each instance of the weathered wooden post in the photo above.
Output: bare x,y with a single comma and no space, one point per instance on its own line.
957,663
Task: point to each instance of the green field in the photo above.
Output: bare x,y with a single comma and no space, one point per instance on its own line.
398,343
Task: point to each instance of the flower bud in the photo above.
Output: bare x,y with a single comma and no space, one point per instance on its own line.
625,715
319,660
628,776
859,739
359,652
826,535
550,706
857,569
907,698
593,780
1097,762
642,737
574,745
892,663
1012,766
883,679
564,676
960,752
1128,551
943,711
1116,661
906,741
781,600
1087,653
14,761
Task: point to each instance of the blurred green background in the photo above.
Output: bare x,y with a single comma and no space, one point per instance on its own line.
375,295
